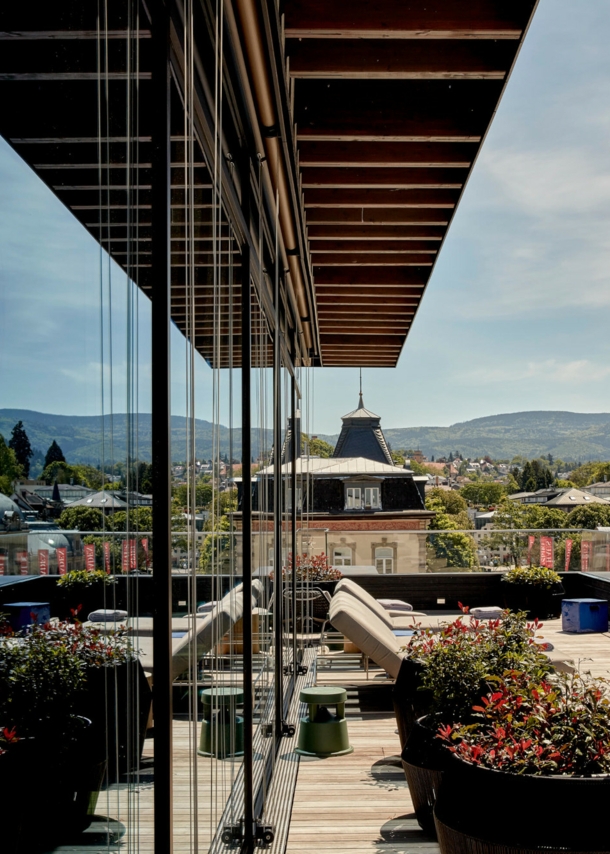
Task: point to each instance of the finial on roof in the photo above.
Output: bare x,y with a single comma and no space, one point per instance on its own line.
360,403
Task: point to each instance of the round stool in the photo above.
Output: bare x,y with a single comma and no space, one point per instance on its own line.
222,730
323,733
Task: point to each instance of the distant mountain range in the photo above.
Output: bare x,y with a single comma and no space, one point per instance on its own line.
80,436
570,436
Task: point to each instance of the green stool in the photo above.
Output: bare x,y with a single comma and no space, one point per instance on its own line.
321,733
222,730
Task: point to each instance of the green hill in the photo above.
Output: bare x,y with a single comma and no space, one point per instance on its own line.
80,436
569,436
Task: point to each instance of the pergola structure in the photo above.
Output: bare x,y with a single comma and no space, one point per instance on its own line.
371,116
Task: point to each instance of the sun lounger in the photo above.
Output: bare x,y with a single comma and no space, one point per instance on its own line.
359,624
213,627
404,621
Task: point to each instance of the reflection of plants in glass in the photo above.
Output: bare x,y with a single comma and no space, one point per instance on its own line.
560,552
310,568
535,576
538,727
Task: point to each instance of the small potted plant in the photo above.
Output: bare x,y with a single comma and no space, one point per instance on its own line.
543,745
82,591
535,589
455,668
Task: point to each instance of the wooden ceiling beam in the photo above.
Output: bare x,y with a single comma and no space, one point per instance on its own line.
441,19
407,276
408,247
387,198
387,154
378,216
338,234
392,59
418,110
374,260
396,178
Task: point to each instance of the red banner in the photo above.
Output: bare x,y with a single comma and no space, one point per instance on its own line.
585,554
43,561
62,560
2,564
145,547
133,554
89,549
22,562
546,552
530,545
568,554
107,557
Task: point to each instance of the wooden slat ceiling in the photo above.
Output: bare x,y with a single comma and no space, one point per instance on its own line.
392,100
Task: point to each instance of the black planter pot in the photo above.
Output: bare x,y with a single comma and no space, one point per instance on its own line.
117,700
540,602
493,812
410,701
48,790
424,760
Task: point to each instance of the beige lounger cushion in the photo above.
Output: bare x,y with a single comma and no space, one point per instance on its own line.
404,621
213,626
360,625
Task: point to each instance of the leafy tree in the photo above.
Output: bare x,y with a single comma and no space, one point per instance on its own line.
203,494
459,550
483,493
589,516
397,458
54,455
20,444
451,500
10,470
139,518
539,516
560,552
63,472
317,447
535,475
561,483
81,519
590,473
216,548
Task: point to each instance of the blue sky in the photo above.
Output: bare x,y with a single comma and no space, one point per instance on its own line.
516,313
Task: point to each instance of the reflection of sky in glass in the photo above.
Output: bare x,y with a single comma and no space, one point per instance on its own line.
516,314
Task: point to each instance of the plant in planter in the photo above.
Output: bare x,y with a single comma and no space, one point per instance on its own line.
82,591
313,568
40,683
447,673
544,744
535,589
115,695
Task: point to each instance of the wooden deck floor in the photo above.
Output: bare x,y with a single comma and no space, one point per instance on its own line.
342,805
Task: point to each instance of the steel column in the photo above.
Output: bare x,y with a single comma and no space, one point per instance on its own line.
161,433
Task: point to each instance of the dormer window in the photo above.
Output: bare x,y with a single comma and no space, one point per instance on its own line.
362,498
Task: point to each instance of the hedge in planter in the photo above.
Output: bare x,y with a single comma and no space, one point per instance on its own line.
81,591
542,745
535,589
454,669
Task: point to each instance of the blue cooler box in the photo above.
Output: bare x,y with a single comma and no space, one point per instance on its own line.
23,614
584,615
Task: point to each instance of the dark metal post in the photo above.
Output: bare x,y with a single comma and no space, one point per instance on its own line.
295,452
246,515
278,515
161,434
